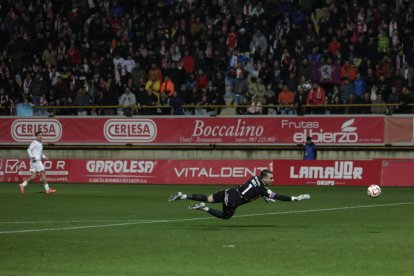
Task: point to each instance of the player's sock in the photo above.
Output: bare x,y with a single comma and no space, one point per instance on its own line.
24,183
46,187
197,197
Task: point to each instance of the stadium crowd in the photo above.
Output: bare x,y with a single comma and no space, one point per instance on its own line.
154,57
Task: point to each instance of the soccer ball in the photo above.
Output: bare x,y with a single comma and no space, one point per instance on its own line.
374,191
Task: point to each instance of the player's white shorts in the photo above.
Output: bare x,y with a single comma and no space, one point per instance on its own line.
36,166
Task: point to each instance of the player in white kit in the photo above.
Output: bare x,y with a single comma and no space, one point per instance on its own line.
36,165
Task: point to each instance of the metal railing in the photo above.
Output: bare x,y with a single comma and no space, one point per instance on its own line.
306,109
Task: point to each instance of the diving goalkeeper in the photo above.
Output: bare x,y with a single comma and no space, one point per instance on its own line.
232,198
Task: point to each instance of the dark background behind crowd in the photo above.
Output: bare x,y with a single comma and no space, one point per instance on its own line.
136,54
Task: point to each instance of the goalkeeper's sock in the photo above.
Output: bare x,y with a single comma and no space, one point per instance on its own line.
46,187
284,197
197,197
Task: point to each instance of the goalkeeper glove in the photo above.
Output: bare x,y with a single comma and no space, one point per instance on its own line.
269,200
301,197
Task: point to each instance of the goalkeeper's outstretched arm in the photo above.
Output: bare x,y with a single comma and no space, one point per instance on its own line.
280,197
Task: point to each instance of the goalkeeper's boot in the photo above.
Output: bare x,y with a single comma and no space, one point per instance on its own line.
303,197
50,191
175,197
197,206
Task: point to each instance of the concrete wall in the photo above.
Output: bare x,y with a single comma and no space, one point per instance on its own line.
327,154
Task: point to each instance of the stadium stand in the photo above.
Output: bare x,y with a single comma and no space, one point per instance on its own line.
77,57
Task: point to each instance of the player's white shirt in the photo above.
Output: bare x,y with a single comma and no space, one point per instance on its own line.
35,150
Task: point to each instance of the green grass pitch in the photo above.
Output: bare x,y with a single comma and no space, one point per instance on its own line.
133,230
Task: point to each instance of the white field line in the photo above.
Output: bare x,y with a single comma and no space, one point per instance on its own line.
200,218
72,221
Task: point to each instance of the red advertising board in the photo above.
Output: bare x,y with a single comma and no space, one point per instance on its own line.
397,172
196,130
399,130
327,172
131,171
221,172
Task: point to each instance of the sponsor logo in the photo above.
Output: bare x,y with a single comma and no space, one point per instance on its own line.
347,134
120,166
21,167
23,130
136,130
240,129
15,165
325,175
226,172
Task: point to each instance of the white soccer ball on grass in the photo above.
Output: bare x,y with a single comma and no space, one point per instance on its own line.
374,191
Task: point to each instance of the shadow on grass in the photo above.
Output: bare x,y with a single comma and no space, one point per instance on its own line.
247,226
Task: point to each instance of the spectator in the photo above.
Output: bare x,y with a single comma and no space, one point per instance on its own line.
337,107
24,108
188,63
177,74
366,99
232,37
201,79
379,105
81,99
346,89
154,84
334,46
129,64
167,86
155,74
127,101
257,88
393,98
255,107
314,56
239,87
149,102
406,98
348,71
258,43
309,151
5,103
74,55
286,100
300,100
387,68
49,55
37,88
176,103
305,70
316,96
360,86
350,105
107,97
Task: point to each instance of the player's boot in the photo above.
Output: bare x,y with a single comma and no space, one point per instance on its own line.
304,197
50,191
197,206
21,188
175,197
